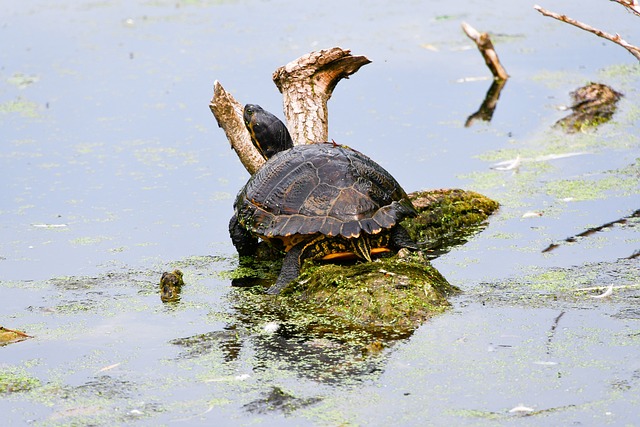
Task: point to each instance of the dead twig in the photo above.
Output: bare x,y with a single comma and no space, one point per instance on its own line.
634,50
631,5
483,41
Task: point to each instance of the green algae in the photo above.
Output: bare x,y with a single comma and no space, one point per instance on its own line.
591,189
23,107
15,380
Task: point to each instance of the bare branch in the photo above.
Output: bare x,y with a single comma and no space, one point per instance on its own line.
634,50
631,5
489,54
228,113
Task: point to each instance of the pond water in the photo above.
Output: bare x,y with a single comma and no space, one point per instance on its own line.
115,171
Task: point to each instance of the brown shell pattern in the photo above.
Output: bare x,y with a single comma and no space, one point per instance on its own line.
321,188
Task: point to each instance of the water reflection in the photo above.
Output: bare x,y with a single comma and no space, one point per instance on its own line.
488,106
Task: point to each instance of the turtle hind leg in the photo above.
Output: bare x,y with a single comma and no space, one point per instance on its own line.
290,269
400,239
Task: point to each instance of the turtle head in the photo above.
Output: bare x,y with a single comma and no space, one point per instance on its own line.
268,134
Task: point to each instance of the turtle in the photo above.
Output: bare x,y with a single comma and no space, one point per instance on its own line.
316,201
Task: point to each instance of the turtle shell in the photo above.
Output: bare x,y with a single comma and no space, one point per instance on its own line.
324,189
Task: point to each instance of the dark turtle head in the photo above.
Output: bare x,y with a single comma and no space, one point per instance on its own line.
268,133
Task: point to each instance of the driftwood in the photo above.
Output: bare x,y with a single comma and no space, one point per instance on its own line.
632,5
228,113
306,85
485,46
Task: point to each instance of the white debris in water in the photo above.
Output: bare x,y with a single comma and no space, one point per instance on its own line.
531,214
508,164
229,379
271,327
49,225
545,363
605,294
520,409
515,163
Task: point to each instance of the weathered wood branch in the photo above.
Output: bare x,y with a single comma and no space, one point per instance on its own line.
634,50
485,46
306,85
228,114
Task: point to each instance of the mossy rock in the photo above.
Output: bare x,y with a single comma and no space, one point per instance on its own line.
447,217
389,297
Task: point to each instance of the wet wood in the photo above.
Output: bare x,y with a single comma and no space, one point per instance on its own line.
485,46
634,50
593,230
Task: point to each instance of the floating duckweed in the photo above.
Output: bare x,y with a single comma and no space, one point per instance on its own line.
13,380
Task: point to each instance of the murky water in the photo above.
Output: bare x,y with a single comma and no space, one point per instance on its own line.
115,171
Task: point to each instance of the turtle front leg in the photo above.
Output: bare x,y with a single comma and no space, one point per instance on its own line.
245,243
290,269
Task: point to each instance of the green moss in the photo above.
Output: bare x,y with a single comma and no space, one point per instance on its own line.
389,296
447,217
